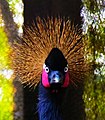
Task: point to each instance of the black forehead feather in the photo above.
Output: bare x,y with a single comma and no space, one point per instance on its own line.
56,60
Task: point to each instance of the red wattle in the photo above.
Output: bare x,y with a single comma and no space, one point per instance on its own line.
67,80
45,81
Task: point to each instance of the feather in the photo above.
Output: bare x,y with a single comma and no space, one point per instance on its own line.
49,106
29,56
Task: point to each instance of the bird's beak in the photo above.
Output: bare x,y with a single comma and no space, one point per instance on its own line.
56,77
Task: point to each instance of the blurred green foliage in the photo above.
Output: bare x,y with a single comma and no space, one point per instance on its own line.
4,50
16,7
13,5
94,98
6,99
6,83
94,89
6,87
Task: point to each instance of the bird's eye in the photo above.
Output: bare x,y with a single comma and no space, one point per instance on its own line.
46,69
66,69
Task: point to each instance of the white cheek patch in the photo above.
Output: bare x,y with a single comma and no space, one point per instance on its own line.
45,81
66,69
44,66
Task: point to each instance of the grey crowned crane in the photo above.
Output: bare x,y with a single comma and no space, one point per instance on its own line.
51,54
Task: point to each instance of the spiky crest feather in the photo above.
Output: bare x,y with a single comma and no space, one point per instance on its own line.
29,57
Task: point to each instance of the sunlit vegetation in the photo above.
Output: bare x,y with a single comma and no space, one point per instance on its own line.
6,87
6,80
6,99
94,94
16,6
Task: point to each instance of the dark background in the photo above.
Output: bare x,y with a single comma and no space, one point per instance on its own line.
44,8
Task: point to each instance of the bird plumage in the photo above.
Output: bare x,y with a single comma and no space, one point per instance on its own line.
52,53
49,104
54,79
37,42
55,70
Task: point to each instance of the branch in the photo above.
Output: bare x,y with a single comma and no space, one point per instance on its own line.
10,26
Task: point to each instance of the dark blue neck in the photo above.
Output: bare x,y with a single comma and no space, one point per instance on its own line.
49,105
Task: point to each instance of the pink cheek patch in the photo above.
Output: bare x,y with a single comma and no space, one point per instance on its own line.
45,81
67,80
